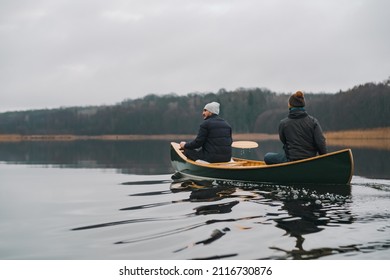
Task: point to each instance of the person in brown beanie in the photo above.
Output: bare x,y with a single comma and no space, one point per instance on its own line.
300,133
297,100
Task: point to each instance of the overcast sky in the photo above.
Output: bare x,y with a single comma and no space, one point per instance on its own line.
57,53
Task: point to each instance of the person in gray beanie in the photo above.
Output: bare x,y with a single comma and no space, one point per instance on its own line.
214,140
212,107
300,133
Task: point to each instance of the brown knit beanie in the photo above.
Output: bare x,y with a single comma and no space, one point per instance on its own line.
297,99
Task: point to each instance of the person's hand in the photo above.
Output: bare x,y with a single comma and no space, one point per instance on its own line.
182,144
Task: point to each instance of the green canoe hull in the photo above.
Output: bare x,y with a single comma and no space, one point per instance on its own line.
332,168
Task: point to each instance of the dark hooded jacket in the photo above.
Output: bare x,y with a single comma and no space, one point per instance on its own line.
215,139
301,135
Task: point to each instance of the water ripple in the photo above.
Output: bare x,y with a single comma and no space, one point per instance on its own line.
353,249
182,229
132,221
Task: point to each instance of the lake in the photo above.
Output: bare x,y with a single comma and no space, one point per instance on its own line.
101,200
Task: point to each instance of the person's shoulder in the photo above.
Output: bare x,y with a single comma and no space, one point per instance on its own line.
284,120
221,120
211,119
218,118
314,119
206,122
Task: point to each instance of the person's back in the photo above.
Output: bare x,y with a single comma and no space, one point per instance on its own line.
300,133
217,145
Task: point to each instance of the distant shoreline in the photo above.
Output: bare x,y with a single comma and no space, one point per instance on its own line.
128,137
378,134
377,138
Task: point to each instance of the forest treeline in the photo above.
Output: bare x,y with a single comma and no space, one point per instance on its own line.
252,110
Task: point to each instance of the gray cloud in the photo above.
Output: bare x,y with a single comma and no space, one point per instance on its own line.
92,52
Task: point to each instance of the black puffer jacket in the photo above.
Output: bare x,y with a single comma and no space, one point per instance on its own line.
215,139
301,135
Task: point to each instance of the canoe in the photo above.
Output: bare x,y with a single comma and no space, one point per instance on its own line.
332,168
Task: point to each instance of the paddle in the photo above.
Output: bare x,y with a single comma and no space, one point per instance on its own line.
245,144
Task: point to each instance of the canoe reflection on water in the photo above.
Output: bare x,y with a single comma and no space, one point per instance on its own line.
306,209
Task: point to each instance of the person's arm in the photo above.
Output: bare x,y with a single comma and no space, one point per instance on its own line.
282,137
200,138
319,139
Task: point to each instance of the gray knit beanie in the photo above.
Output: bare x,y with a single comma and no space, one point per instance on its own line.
212,107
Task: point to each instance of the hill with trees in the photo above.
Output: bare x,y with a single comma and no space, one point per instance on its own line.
253,110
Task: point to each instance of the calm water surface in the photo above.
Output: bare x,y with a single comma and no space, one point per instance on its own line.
116,200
